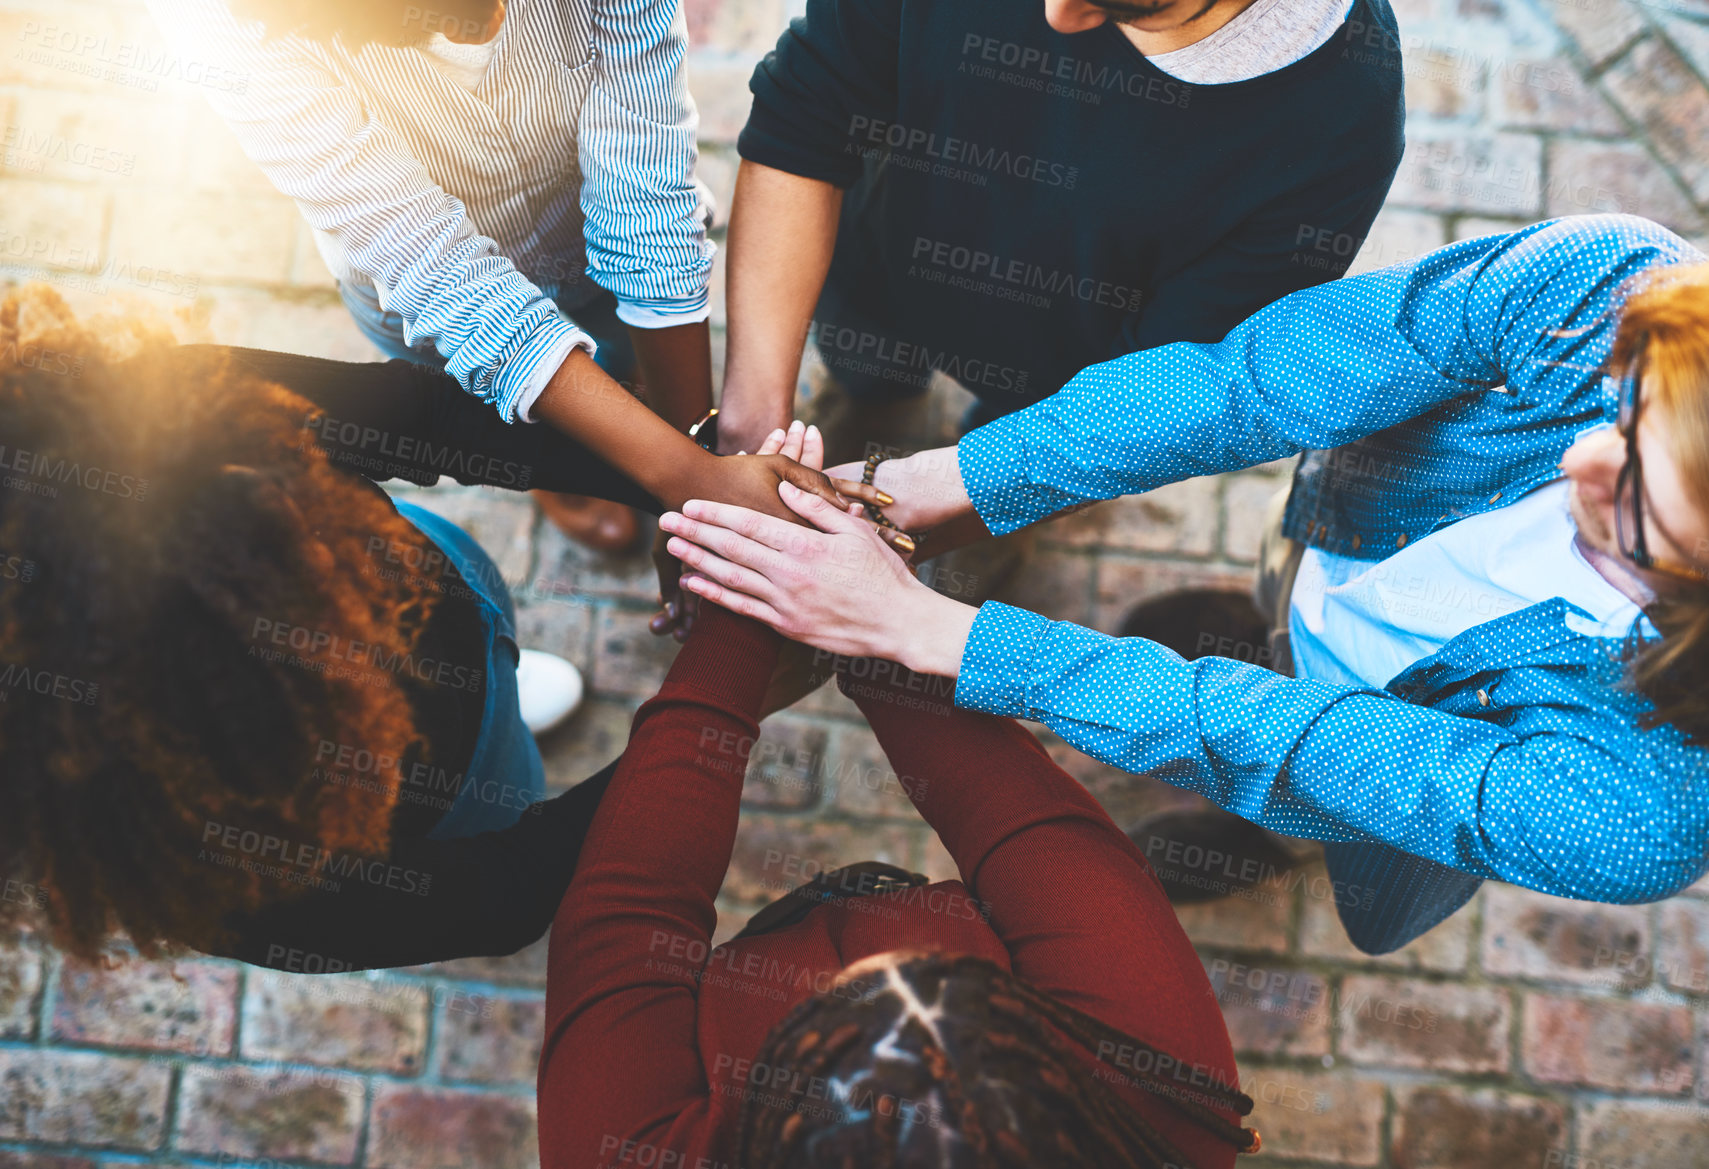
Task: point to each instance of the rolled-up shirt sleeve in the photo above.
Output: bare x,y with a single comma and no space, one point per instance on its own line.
642,215
357,180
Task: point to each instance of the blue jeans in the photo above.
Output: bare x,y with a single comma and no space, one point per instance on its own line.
506,774
597,317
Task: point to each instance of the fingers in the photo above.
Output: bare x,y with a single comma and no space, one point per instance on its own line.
773,443
735,577
722,546
699,516
738,603
812,449
825,514
793,441
865,492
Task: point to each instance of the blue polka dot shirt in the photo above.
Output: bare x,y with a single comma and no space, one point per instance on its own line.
1433,390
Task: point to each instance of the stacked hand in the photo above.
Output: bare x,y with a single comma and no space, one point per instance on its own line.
751,482
837,585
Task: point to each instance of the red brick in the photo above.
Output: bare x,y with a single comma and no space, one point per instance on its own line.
1608,1043
1439,1127
1317,1117
1549,94
83,1098
1601,27
1443,83
489,1040
1055,580
1272,1008
861,782
413,1128
1659,91
1682,946
1445,949
1494,174
627,658
1640,1136
595,735
1615,177
526,967
1180,519
279,1115
188,1007
1128,798
1436,1026
1258,922
20,987
1531,935
786,767
42,1161
336,1020
1122,584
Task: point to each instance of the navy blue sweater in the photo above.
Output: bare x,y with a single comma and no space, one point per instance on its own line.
1023,203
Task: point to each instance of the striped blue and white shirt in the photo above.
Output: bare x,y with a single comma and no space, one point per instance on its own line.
567,167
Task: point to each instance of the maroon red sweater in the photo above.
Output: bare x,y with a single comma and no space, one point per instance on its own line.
650,1031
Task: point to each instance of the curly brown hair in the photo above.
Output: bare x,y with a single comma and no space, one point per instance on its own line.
169,502
949,1060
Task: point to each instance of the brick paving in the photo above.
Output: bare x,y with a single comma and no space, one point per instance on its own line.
1526,1032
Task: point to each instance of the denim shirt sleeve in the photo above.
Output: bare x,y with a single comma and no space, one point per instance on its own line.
1586,815
1323,367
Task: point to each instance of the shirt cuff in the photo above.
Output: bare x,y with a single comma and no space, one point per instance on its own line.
993,460
545,352
662,314
997,660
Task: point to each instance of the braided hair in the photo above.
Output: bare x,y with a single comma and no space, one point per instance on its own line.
157,504
949,1061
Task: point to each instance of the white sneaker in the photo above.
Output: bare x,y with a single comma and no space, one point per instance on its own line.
548,688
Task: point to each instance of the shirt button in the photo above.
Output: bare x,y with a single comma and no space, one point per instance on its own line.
1400,540
1483,697
1356,542
1495,497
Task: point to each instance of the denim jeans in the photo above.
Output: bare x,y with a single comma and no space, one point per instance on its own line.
597,317
506,774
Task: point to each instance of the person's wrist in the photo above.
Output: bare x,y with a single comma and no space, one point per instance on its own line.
682,474
928,485
932,634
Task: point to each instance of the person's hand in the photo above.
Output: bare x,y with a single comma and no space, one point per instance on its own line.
793,456
838,587
925,489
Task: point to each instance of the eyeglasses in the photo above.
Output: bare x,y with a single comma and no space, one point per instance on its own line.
1629,491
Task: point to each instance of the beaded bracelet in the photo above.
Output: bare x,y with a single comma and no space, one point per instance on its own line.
876,513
